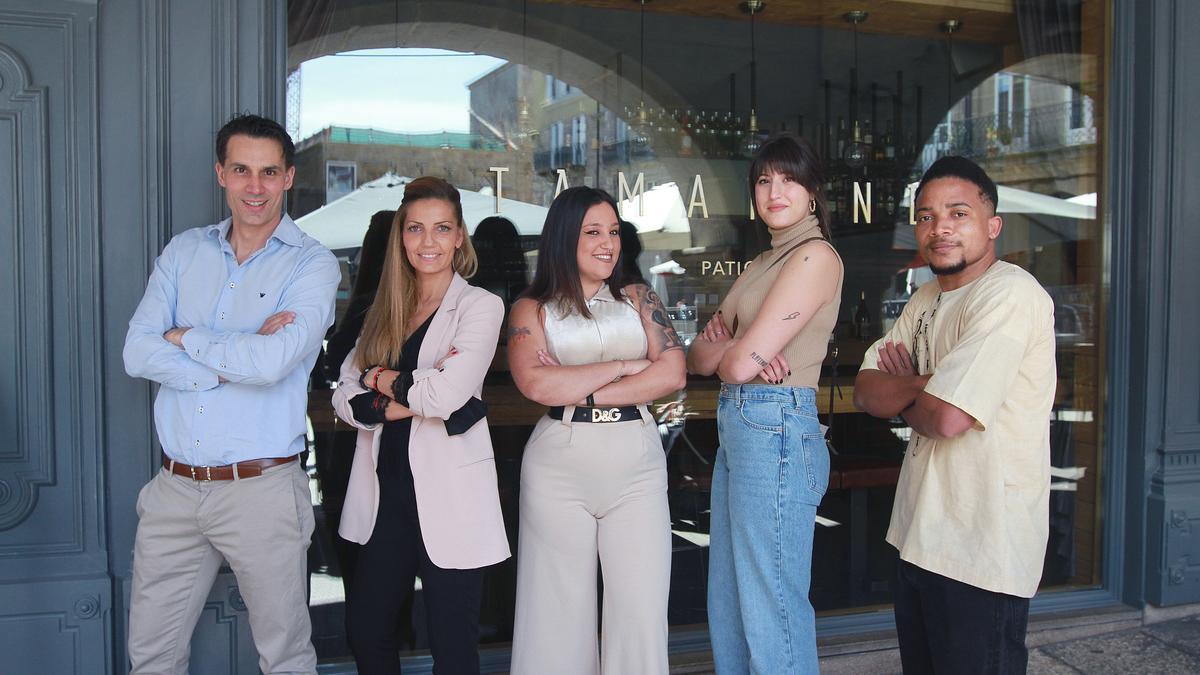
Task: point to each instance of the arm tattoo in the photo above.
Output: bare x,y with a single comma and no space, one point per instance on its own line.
791,316
658,314
758,359
518,333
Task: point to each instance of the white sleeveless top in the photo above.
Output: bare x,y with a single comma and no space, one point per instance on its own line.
614,332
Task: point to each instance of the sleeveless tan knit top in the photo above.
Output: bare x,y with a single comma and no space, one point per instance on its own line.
806,351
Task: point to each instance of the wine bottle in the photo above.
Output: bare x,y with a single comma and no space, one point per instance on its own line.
862,318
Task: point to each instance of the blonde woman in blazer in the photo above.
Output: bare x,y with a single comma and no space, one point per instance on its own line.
412,448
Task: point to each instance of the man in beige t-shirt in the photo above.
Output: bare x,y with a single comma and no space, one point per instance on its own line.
970,366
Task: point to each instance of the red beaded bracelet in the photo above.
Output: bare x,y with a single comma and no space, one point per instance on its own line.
375,382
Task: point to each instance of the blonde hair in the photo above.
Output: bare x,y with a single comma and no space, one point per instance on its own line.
386,324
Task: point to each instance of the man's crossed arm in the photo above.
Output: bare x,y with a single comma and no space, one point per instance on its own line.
896,389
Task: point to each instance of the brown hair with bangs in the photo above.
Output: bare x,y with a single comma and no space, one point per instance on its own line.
386,324
795,158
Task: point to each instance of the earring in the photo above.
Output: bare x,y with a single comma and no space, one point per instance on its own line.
812,206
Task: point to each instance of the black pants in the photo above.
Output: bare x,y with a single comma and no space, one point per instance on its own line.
946,626
383,578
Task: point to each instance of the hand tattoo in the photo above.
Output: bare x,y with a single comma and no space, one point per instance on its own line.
758,359
791,316
658,314
518,333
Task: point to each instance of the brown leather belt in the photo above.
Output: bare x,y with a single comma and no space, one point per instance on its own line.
247,469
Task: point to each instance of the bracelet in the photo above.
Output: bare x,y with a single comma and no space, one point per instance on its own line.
620,371
591,401
362,378
375,382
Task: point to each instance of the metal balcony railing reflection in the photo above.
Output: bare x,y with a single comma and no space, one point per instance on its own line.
551,160
1041,129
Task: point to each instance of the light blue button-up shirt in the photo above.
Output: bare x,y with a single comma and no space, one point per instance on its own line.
259,411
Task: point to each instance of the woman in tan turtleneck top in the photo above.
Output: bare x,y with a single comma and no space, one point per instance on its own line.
767,343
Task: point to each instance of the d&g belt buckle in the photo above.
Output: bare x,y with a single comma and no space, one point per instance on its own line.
606,414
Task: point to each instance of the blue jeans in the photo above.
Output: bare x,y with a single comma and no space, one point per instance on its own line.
771,471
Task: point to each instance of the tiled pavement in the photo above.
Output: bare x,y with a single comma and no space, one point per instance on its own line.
1117,642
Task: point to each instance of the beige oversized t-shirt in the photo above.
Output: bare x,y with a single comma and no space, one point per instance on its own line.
976,508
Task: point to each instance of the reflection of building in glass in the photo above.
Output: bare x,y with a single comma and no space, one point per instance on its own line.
461,158
1029,131
571,132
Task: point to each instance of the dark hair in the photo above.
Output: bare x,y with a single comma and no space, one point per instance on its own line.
953,166
496,233
373,253
501,258
631,248
370,268
557,276
256,126
795,158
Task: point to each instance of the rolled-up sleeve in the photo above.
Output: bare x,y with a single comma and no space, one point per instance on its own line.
977,374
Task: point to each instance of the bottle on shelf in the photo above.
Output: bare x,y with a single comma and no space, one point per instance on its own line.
862,319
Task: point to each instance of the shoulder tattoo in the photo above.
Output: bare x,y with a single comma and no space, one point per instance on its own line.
518,333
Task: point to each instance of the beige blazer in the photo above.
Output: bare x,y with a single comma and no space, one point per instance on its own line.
455,476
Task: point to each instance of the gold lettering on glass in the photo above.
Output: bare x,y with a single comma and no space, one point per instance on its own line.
697,198
862,203
499,171
562,182
639,188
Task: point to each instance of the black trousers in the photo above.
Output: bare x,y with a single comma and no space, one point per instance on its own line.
946,626
383,579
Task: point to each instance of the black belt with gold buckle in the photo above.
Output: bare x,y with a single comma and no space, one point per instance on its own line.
599,414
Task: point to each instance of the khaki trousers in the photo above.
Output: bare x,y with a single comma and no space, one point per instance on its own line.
592,493
261,526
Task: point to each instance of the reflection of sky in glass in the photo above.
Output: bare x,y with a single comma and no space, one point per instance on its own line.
411,90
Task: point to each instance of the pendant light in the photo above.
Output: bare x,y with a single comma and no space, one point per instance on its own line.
857,152
753,141
640,128
950,27
525,129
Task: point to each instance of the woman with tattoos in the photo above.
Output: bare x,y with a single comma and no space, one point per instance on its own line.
767,342
593,477
422,496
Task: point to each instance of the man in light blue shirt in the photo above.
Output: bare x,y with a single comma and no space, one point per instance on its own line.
230,326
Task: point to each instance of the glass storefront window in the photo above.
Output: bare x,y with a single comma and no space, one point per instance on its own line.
655,107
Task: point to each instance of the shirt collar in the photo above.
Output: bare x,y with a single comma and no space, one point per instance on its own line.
287,231
602,295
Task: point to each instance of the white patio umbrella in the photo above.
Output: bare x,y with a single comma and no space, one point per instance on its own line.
341,224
